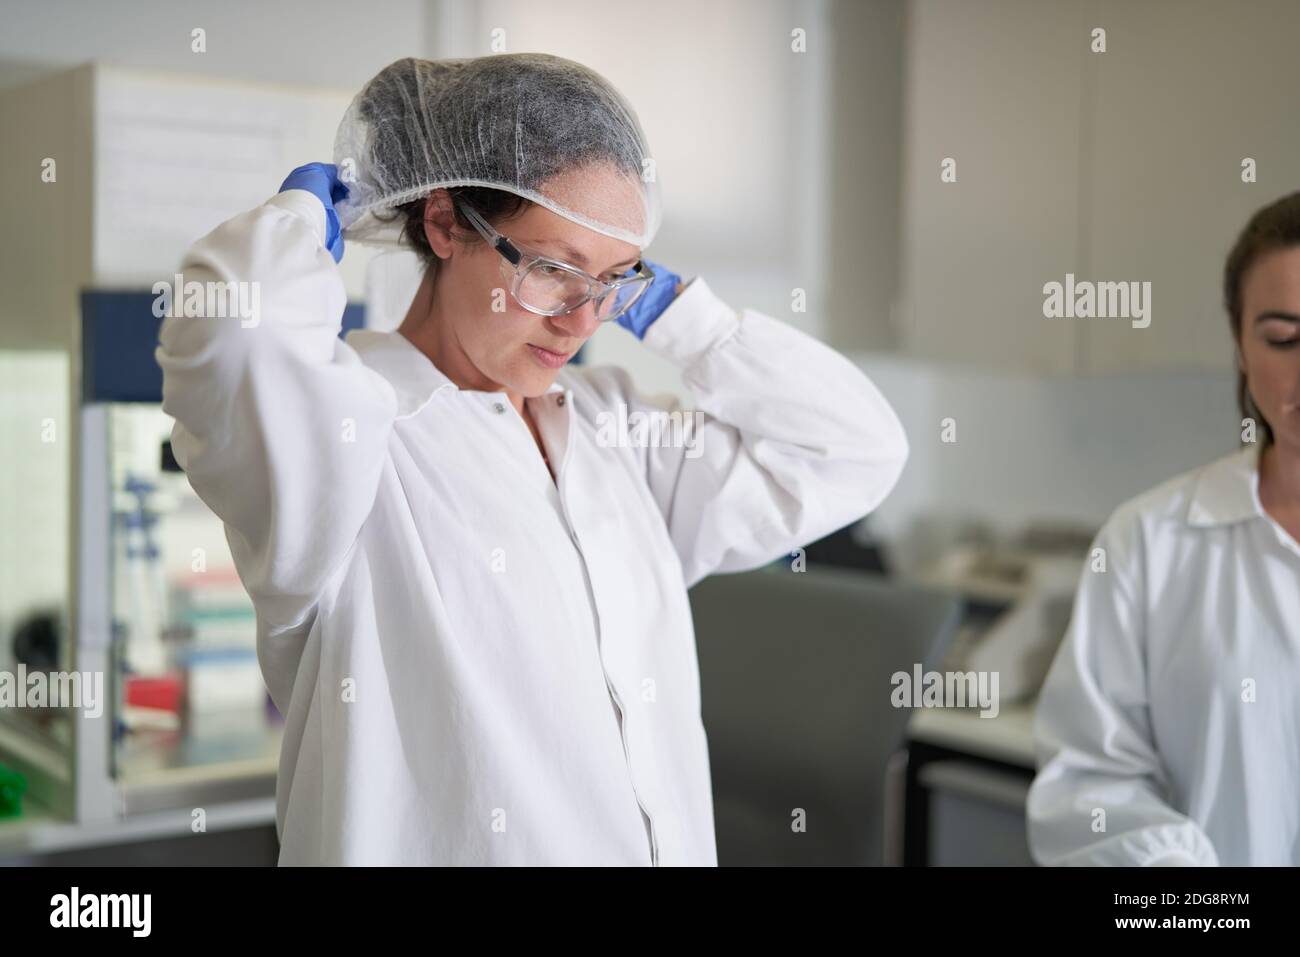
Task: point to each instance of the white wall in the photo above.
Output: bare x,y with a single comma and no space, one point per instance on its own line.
329,43
1031,448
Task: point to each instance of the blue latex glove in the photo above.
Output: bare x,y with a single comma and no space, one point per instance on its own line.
653,301
322,181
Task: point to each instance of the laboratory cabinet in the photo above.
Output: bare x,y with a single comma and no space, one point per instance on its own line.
1120,165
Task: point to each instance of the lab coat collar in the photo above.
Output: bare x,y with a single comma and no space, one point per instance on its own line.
411,373
1227,490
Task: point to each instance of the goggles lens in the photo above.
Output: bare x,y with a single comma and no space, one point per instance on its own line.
552,290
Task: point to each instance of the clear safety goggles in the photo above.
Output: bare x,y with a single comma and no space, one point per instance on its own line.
550,287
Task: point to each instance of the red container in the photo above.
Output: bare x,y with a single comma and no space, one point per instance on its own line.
162,692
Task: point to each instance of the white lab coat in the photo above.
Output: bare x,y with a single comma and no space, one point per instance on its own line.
475,666
1172,705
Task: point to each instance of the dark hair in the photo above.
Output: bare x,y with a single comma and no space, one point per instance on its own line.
494,205
1274,227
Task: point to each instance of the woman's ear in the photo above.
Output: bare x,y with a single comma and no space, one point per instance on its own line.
439,218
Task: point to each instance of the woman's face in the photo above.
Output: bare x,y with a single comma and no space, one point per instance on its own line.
493,333
1270,341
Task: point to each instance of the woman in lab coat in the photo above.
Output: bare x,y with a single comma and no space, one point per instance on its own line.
1168,730
471,586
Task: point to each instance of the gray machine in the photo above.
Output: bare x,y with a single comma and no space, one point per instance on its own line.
795,675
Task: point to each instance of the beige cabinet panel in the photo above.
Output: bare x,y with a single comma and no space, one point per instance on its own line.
1184,92
996,86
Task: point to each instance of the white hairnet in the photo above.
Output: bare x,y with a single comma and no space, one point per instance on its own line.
530,123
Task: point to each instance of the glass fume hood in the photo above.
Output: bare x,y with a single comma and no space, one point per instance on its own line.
191,717
110,566
113,568
189,704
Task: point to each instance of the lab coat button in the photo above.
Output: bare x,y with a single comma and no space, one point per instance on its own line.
559,400
500,407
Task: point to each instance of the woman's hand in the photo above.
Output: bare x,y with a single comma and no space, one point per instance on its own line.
322,181
663,290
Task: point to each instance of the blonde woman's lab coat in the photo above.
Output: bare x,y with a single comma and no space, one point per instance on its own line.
1168,731
477,666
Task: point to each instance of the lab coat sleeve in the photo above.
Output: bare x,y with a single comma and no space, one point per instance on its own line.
1101,795
791,440
280,428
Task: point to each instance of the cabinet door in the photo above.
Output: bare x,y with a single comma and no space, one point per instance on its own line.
995,86
1184,92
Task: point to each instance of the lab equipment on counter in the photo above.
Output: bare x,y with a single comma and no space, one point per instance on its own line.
151,702
141,565
188,690
218,658
1018,602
